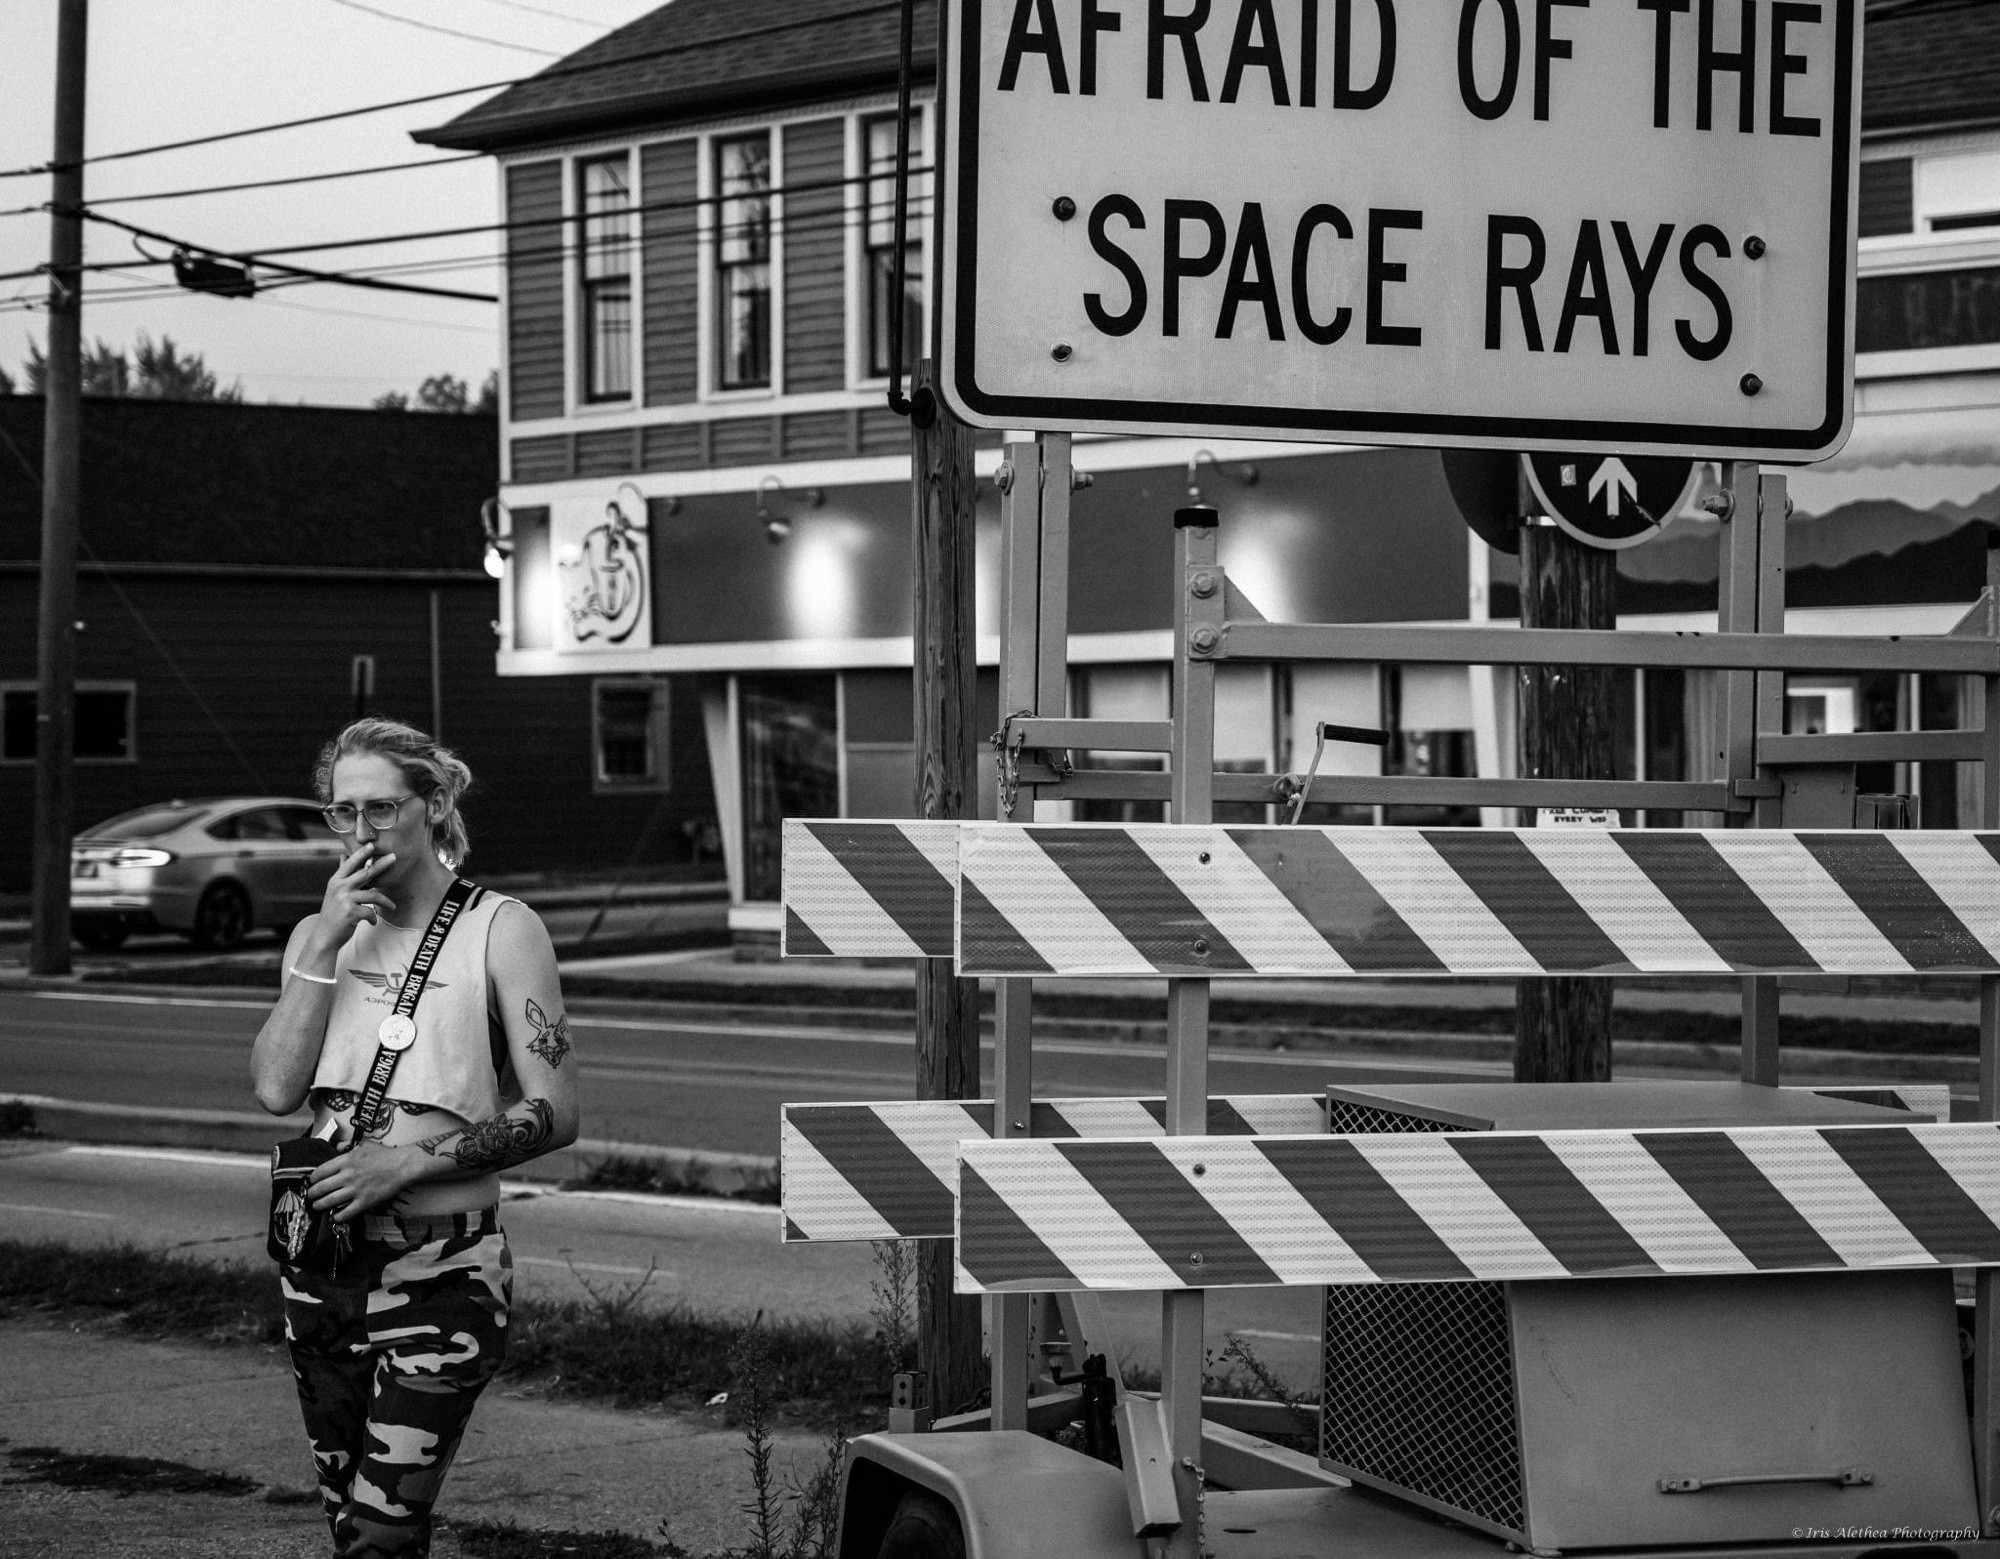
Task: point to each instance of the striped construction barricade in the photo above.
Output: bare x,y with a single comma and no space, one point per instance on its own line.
1228,1212
886,1171
1204,901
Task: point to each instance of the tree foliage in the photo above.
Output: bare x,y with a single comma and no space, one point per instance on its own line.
155,370
445,393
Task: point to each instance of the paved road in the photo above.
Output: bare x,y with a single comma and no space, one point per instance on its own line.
645,1078
716,1256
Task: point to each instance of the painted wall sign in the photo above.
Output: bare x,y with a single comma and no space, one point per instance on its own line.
1543,224
603,572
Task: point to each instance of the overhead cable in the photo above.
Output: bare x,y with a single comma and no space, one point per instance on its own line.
553,73
687,203
449,32
286,270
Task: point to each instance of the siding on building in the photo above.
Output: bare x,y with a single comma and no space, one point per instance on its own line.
815,256
607,452
544,459
670,446
742,441
667,187
818,435
535,291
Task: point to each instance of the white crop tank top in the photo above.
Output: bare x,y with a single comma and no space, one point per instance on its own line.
459,1061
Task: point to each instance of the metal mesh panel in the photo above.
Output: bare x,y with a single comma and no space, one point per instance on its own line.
1418,1379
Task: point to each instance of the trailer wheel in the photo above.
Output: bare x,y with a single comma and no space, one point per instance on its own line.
924,1527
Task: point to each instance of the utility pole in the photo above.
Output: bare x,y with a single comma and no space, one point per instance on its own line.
1562,1024
942,499
62,461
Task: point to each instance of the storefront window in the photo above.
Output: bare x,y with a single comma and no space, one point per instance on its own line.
791,768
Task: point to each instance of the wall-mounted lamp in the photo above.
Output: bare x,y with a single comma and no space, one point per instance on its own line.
777,527
1245,473
499,542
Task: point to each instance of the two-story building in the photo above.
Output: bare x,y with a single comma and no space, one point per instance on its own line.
704,484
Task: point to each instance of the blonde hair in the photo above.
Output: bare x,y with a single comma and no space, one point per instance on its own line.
426,764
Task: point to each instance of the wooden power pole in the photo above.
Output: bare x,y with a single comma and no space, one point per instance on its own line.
1562,1025
942,498
62,462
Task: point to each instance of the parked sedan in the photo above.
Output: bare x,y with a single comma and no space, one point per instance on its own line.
211,870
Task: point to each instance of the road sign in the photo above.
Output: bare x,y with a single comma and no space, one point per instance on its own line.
1611,500
1538,224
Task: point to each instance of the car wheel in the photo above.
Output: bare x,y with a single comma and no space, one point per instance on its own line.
923,1527
222,918
101,938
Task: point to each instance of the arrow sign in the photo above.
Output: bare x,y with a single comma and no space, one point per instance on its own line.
1612,479
1611,500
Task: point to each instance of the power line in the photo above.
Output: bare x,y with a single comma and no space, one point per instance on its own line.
299,178
561,16
795,224
449,32
251,252
553,73
265,129
291,270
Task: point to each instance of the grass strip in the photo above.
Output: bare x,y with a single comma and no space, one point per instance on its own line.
608,1349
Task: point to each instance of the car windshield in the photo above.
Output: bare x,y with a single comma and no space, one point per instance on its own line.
146,823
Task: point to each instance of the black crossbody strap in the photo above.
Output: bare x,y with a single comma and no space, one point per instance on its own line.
376,1093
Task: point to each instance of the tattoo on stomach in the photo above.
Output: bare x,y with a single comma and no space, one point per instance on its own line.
498,1142
344,1101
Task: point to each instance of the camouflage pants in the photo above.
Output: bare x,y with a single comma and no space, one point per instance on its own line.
390,1354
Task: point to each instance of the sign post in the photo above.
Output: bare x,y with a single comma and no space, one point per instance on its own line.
1625,229
947,1008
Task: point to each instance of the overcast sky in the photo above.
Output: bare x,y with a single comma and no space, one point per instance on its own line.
165,70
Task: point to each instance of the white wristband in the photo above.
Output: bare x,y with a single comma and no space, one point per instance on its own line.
296,973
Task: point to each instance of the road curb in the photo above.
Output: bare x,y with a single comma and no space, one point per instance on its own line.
695,1170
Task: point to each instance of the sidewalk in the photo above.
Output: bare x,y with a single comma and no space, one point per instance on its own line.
232,1410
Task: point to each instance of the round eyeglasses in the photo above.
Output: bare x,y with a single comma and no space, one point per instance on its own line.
341,815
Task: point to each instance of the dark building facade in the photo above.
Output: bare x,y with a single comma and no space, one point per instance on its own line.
251,576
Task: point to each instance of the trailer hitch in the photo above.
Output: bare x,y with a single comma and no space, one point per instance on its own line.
1845,1478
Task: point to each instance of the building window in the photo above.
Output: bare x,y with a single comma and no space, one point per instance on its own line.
629,733
880,142
105,722
743,261
607,279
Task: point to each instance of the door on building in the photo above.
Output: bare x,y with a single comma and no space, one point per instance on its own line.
791,766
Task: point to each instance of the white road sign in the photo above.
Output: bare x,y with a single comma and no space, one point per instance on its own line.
1594,225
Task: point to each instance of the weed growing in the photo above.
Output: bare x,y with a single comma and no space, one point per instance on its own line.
151,1293
621,1172
606,1349
894,1310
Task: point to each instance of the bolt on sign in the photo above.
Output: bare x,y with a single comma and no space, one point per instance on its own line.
1618,226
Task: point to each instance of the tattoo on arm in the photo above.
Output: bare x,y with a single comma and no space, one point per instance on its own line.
499,1142
551,1041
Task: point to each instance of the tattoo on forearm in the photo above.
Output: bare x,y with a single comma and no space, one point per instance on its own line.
551,1041
499,1142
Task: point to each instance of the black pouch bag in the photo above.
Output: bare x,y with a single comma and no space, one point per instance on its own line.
299,1235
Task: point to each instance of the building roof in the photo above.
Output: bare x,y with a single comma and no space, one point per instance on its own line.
206,484
1930,65
694,57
